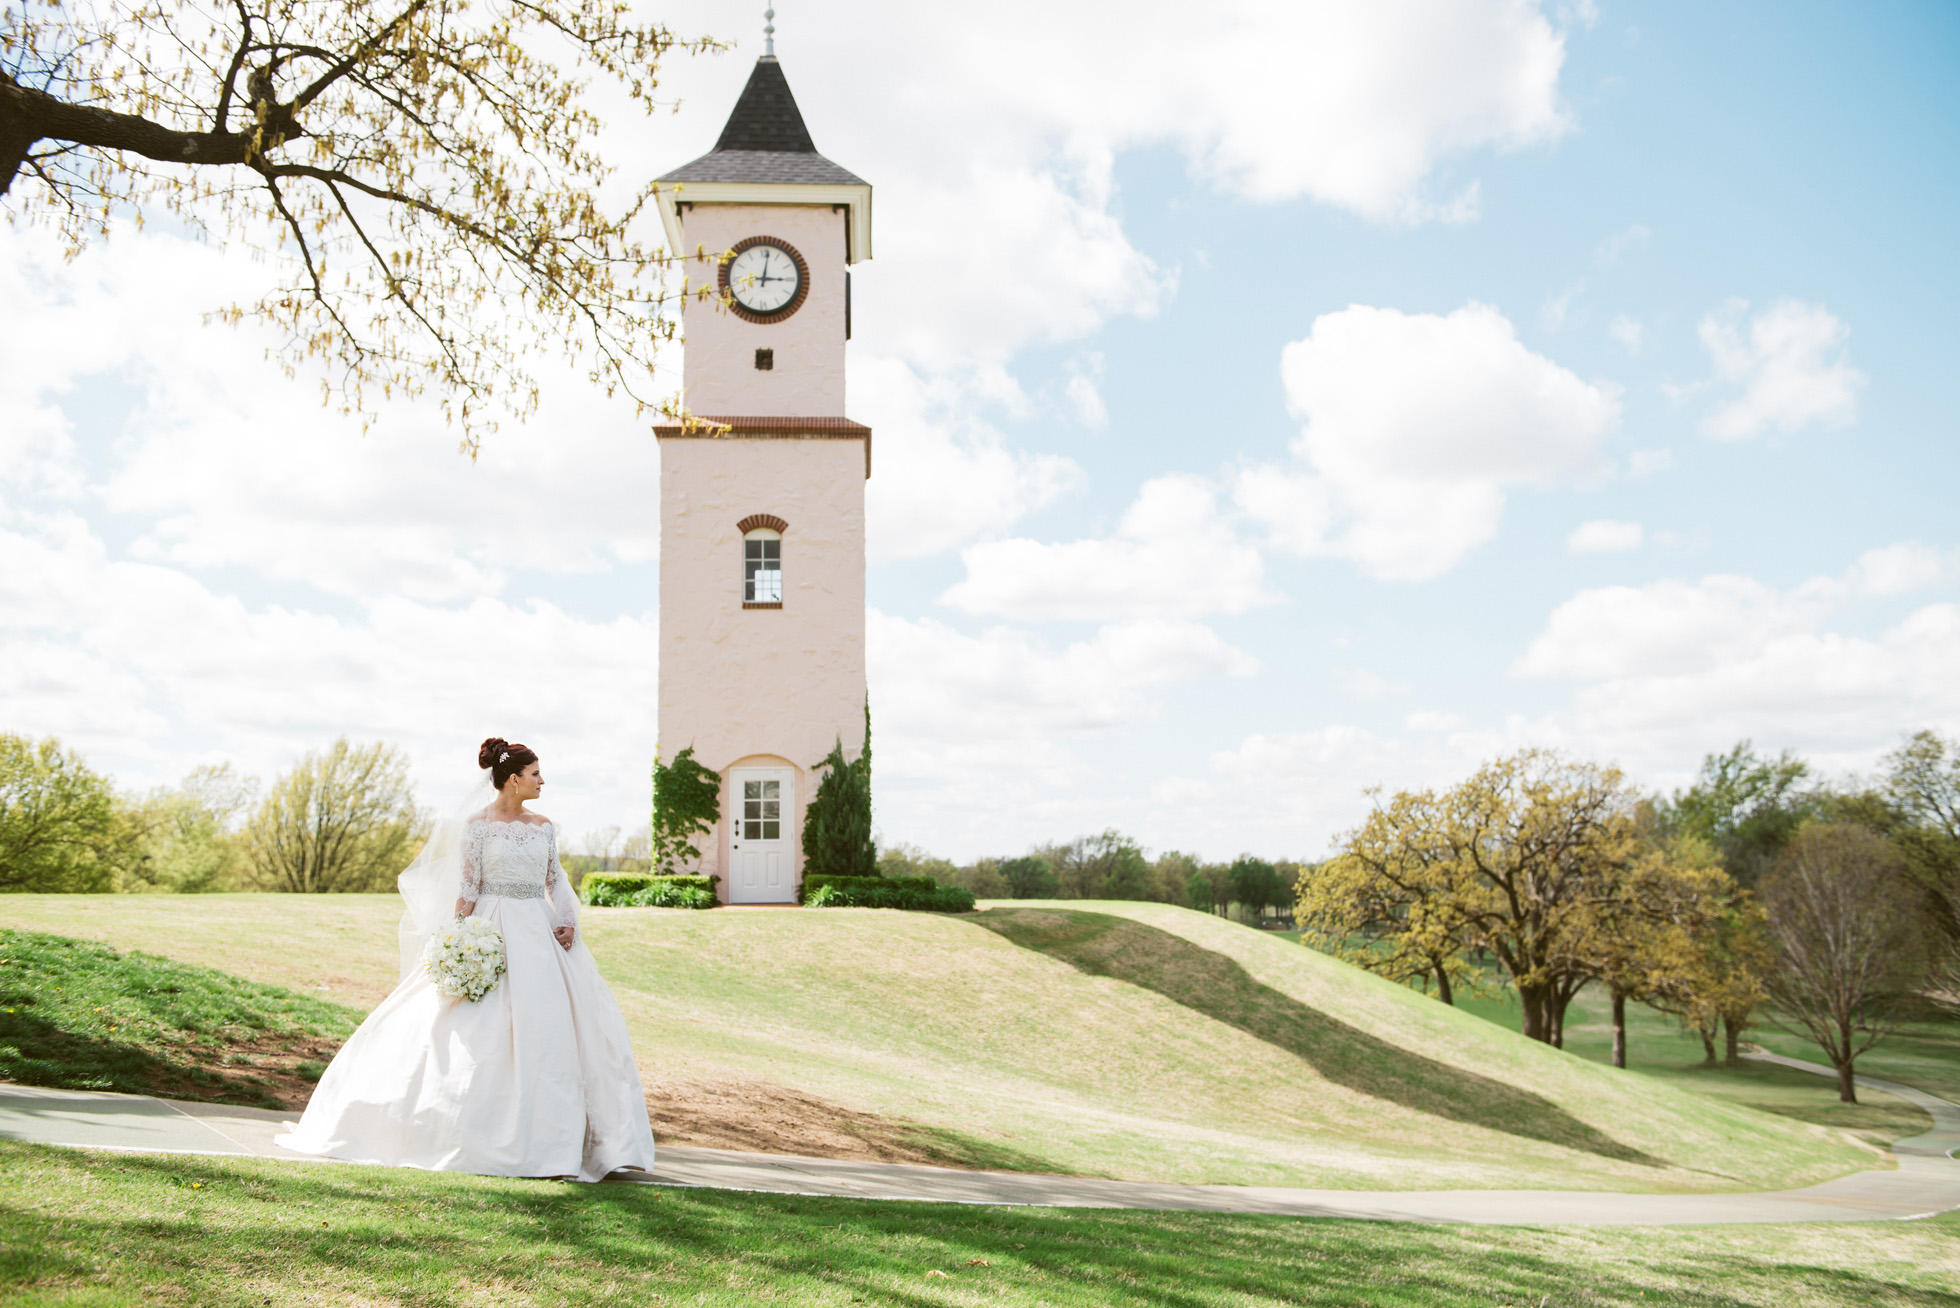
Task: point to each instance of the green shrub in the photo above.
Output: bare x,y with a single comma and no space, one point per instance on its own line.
686,806
916,894
647,890
837,821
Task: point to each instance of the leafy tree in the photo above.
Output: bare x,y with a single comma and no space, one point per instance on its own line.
1198,890
1170,878
1922,783
1745,805
1030,877
59,829
434,172
343,820
837,822
983,879
911,861
1257,884
189,841
1845,925
1106,866
686,806
1382,904
1642,930
1509,862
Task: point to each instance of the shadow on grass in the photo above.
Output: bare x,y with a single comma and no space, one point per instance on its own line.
949,1148
1101,944
219,1231
38,1052
178,1026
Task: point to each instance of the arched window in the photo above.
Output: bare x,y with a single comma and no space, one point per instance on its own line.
762,559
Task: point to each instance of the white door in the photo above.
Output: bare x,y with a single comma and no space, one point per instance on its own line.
759,836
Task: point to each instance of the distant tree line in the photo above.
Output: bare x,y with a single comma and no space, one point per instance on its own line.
343,819
1113,866
1760,892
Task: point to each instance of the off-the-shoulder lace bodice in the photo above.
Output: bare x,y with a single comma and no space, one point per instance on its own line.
517,860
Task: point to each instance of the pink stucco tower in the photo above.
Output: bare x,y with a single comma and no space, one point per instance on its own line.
762,496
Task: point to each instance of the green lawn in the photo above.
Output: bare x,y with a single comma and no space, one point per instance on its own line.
106,1230
1114,1039
79,1015
1659,1048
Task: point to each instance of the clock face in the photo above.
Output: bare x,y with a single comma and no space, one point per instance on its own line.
764,277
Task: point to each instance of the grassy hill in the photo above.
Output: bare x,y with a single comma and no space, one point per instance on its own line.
1114,1039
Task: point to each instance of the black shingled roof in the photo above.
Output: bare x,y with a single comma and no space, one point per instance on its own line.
765,140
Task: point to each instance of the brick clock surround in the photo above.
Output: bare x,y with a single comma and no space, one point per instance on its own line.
761,686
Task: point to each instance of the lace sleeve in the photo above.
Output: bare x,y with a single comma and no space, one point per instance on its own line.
557,886
472,884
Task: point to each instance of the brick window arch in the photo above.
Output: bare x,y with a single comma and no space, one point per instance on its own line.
762,561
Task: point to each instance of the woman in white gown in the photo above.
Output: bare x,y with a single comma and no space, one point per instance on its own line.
534,1079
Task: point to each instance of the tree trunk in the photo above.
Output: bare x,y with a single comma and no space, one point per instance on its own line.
1532,1000
1619,1029
1443,991
1707,1043
1847,1085
1734,1036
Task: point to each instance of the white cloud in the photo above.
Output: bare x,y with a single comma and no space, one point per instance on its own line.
1628,332
1173,555
1899,570
941,475
1416,426
1790,364
992,741
1084,392
1662,628
1323,773
148,671
1645,463
223,462
1602,536
1670,670
993,151
1628,240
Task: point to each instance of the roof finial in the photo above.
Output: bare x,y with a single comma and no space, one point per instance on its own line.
769,33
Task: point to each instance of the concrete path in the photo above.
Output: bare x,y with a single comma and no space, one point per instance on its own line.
1926,1181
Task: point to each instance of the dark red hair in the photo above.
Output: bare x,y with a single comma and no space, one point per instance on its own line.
504,759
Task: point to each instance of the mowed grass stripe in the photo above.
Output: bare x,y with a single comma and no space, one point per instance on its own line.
1126,1040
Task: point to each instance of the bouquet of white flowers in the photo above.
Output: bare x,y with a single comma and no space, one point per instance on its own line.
465,957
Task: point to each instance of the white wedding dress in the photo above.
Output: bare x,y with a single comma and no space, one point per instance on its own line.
534,1079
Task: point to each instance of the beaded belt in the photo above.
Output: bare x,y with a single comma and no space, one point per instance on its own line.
514,889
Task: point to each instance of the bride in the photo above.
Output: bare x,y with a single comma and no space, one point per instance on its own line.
534,1079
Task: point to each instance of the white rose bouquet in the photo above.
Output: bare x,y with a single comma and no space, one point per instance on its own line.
465,957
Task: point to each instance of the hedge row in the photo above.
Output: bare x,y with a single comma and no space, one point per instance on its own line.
815,881
917,894
644,890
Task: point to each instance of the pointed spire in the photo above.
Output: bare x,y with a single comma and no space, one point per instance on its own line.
766,117
769,33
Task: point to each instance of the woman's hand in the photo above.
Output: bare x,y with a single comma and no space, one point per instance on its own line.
565,935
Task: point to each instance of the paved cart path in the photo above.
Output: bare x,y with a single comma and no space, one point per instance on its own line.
1925,1182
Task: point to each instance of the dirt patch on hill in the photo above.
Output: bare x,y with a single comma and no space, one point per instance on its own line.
264,1072
763,1117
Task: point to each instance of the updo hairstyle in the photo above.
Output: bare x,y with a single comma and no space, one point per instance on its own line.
504,759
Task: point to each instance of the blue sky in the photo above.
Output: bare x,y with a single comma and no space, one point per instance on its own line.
1244,458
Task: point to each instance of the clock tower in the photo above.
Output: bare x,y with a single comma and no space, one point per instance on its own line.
762,489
